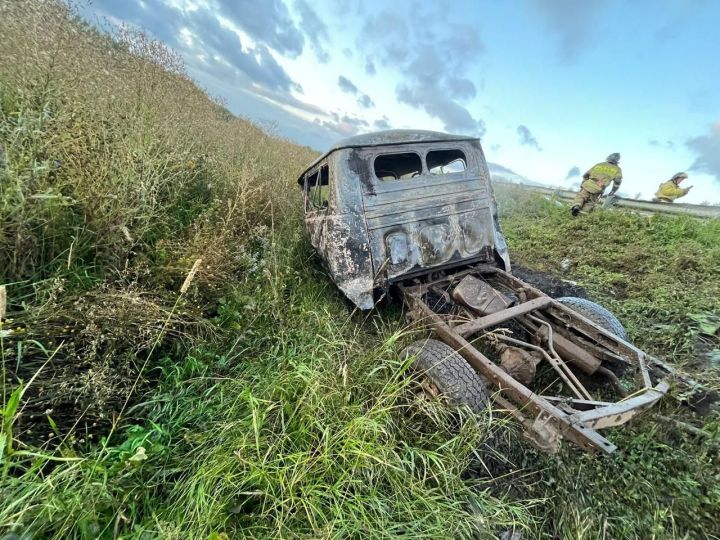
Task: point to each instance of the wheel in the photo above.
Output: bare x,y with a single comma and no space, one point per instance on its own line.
597,314
448,374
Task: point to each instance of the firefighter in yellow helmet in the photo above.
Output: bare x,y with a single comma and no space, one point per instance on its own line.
594,183
671,190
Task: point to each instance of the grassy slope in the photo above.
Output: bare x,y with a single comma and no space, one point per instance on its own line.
260,406
244,399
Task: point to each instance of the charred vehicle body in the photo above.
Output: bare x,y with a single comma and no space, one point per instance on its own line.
414,211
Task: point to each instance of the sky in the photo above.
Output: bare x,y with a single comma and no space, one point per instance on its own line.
550,86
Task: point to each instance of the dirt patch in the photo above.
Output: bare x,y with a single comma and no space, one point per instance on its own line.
549,283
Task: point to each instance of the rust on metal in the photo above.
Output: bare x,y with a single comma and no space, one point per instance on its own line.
545,419
516,391
570,352
479,296
482,323
619,413
520,364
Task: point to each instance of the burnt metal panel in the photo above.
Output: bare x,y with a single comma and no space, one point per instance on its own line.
435,219
339,235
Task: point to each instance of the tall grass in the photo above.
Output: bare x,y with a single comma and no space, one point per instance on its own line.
304,426
117,173
247,402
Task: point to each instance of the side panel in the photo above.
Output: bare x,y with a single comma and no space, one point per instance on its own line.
339,235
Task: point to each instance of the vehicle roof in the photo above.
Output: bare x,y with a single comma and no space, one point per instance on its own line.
389,137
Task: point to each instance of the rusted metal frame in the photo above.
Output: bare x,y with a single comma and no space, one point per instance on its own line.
573,431
567,317
585,325
541,441
553,361
644,370
586,403
560,365
614,381
501,316
578,389
517,285
581,324
595,350
606,339
449,279
512,410
619,413
529,325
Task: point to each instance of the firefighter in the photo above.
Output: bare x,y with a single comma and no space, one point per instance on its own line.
594,183
671,190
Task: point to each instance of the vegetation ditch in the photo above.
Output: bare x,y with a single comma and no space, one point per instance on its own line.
175,363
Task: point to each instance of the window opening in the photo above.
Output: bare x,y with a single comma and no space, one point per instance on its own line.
446,161
398,166
318,189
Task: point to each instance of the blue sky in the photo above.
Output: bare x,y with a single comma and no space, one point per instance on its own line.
551,86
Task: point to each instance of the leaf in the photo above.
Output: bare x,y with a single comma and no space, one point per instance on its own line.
8,418
53,425
708,322
139,455
12,405
3,440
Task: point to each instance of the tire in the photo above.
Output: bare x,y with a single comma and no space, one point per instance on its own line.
456,381
597,314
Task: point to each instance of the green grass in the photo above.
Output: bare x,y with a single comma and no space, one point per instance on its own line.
304,426
249,401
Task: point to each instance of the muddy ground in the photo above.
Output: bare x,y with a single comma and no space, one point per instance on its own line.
548,283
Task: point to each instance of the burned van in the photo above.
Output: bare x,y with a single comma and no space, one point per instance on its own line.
383,207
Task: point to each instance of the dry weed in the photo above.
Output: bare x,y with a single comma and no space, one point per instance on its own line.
116,174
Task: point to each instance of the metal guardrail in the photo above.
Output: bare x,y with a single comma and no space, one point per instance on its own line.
697,210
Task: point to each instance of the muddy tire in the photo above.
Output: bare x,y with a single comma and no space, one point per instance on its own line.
453,377
597,314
